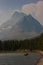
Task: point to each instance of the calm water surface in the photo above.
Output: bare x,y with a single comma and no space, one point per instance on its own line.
18,59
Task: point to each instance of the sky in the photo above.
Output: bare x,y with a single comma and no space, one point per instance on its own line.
14,4
8,7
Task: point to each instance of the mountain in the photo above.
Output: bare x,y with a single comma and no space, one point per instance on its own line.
14,19
20,26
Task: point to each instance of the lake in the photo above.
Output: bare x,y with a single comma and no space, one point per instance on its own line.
18,58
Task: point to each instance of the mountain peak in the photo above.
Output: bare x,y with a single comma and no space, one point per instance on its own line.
18,14
30,16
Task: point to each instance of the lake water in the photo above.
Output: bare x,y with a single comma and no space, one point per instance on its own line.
18,59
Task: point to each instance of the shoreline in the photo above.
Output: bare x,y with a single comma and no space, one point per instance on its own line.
21,50
40,61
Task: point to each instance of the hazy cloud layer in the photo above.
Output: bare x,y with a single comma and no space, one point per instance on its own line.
36,9
5,15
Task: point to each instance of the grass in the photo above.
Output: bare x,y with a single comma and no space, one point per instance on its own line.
20,51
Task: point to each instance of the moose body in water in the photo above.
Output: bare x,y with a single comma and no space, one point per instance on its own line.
25,54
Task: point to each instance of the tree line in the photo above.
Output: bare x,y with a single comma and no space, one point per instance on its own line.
31,44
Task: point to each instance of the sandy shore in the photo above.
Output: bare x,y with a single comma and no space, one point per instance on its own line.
40,62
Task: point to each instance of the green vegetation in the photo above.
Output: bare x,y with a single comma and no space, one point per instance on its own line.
29,44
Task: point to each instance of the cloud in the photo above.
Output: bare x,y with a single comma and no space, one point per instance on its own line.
36,9
5,15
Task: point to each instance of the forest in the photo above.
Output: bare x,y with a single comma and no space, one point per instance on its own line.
31,44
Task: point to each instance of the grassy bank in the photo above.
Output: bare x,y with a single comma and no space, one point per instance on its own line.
21,51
